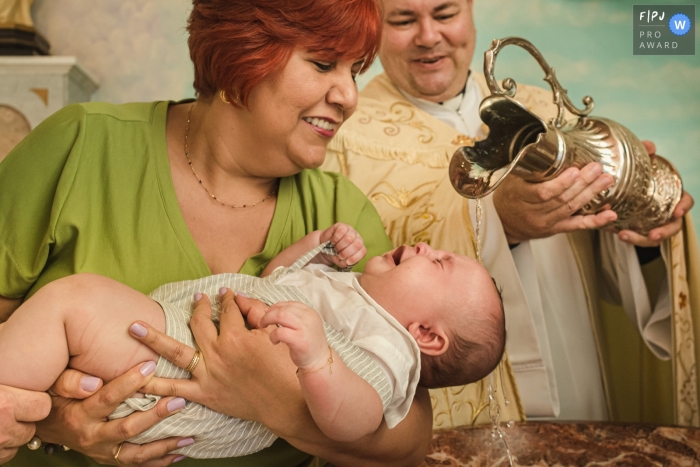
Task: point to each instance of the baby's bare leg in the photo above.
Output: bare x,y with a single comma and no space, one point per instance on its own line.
79,321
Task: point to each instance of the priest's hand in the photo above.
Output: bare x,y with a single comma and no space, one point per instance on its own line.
659,234
538,210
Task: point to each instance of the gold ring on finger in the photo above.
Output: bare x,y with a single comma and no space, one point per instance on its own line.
119,449
194,361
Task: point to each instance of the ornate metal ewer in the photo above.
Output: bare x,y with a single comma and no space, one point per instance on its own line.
645,192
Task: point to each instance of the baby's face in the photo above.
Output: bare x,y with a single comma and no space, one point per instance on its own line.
412,282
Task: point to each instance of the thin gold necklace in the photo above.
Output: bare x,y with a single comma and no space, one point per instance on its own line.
194,172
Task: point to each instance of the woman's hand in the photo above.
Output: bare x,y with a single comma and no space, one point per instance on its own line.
18,409
81,424
223,379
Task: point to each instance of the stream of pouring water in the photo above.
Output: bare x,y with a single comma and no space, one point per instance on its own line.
494,408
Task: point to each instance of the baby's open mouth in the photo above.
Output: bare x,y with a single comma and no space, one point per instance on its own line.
397,254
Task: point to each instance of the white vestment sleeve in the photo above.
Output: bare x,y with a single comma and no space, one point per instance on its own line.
621,266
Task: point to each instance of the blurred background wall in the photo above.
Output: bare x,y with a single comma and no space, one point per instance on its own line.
138,51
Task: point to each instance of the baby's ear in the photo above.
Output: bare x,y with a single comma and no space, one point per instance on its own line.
431,341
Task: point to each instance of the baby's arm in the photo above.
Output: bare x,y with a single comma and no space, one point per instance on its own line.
343,405
346,241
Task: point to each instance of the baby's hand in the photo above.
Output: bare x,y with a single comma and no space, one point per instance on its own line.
347,242
252,310
301,328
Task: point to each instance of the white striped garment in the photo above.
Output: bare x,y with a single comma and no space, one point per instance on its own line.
217,435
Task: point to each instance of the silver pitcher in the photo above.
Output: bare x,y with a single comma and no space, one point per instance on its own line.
645,190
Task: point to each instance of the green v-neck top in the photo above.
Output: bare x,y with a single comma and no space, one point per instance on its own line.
90,190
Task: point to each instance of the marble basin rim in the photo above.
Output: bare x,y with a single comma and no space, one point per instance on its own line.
579,444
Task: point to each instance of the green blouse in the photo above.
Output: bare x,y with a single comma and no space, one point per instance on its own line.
90,190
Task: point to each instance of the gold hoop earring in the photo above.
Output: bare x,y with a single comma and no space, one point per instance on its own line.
236,98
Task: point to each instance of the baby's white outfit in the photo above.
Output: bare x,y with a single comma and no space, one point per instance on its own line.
368,339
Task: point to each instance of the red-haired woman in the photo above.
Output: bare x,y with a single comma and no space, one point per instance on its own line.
159,192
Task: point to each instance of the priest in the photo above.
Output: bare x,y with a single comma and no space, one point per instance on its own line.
601,325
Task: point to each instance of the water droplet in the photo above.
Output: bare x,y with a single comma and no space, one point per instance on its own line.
479,215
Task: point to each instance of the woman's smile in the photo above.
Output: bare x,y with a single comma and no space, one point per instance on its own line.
324,127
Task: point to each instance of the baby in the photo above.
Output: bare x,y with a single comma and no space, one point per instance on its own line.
361,342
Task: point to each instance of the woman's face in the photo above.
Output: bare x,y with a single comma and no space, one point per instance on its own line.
294,114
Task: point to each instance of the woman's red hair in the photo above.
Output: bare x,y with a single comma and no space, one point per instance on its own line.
235,44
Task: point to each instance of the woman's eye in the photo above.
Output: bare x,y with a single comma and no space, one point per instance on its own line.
323,66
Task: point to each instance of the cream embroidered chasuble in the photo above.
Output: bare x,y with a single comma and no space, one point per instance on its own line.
398,155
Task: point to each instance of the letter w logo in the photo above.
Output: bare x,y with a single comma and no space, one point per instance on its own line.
680,25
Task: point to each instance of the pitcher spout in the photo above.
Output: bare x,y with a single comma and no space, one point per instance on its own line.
518,141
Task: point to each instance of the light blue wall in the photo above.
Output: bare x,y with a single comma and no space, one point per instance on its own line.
137,49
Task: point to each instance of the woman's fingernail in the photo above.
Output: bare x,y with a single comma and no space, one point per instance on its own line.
147,368
89,383
178,459
185,442
138,330
197,296
624,238
175,404
222,291
242,294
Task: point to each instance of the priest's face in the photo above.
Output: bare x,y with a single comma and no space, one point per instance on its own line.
427,46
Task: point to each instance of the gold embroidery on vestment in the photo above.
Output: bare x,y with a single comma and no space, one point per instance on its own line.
401,198
460,405
413,226
685,366
400,113
463,140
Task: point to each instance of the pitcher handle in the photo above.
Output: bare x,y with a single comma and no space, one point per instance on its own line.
561,97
